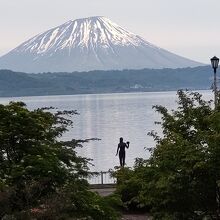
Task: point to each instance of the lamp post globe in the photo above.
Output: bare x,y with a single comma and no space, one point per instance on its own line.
215,62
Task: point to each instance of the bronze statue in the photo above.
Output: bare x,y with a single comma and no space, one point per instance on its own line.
121,149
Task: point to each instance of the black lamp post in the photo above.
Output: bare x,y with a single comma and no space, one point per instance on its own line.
214,62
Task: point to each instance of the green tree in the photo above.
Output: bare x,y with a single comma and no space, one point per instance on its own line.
41,176
181,178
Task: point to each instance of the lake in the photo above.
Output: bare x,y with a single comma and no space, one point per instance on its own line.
109,117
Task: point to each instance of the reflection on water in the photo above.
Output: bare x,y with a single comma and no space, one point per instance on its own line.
109,117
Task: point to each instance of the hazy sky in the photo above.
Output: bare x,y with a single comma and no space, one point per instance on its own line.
189,28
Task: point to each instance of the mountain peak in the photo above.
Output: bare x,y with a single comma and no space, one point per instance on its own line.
89,44
85,33
90,18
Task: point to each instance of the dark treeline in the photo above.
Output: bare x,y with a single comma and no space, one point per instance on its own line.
21,84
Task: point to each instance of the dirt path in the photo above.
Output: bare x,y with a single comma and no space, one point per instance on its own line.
108,189
103,189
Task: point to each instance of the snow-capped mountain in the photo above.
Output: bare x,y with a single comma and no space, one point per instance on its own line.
93,43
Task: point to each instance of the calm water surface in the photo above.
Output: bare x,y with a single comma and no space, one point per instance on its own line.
109,117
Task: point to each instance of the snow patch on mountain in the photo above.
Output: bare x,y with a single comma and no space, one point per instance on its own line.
89,44
86,33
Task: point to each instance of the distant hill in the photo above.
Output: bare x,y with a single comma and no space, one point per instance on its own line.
94,43
23,84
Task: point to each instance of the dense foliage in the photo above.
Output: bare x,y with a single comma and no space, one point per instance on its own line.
181,179
41,176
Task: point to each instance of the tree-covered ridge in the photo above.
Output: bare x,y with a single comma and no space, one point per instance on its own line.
181,179
41,176
23,84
